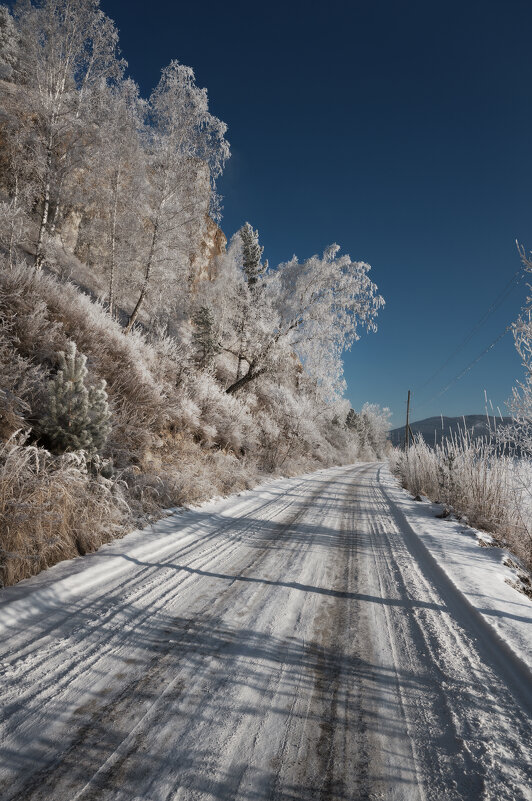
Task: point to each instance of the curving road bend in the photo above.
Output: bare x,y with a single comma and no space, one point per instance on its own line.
293,643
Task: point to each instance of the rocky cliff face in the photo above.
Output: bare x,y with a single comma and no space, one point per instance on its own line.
213,243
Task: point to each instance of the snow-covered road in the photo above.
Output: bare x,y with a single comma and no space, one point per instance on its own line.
296,642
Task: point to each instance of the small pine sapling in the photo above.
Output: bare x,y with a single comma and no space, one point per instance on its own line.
78,416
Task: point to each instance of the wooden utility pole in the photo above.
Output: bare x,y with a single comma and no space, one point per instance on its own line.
407,426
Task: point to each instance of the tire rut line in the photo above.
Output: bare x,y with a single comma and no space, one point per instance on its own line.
403,704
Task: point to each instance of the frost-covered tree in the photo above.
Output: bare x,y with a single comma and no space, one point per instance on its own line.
371,426
18,131
187,151
323,304
352,420
114,185
248,302
205,337
252,254
9,44
244,315
313,309
66,50
78,416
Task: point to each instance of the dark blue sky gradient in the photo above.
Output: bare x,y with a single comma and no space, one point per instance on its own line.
399,130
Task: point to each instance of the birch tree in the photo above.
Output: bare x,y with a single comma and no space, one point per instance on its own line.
315,309
114,182
187,151
17,176
67,48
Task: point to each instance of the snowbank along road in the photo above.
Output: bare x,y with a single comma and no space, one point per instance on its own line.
296,642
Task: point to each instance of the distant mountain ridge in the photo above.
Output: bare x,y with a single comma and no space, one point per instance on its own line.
434,429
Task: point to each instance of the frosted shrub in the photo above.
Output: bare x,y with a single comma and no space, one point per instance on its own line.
520,535
417,469
288,427
78,416
224,420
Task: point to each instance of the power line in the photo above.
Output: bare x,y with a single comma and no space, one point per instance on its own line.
512,283
466,369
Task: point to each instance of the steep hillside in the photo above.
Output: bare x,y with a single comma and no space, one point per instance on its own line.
145,362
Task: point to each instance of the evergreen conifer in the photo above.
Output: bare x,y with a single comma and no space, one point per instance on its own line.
78,416
252,254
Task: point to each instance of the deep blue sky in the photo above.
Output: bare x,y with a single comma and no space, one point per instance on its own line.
400,130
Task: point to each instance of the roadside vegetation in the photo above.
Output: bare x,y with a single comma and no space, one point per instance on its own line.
144,361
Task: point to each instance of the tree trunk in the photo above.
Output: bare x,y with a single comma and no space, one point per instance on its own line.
113,247
135,312
245,379
240,349
46,205
241,329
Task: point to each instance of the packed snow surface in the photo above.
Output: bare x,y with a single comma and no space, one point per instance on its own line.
485,578
317,638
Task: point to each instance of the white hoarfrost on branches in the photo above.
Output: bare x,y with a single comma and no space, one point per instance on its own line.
371,425
114,184
323,304
312,310
232,368
186,153
67,50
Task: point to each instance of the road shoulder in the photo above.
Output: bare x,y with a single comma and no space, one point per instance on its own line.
480,574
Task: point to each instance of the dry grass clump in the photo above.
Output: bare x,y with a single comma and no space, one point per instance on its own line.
52,508
18,380
184,472
476,482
